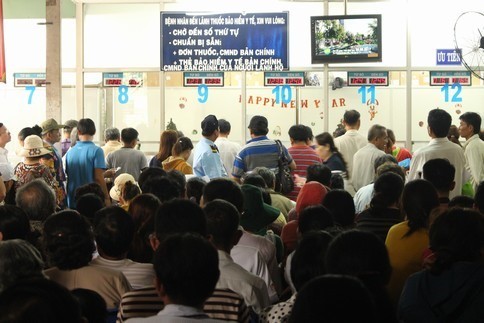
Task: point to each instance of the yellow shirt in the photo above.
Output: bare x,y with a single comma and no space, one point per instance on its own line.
405,255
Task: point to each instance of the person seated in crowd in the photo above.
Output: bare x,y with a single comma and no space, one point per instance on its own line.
319,173
222,228
163,188
479,198
364,256
180,216
384,208
340,204
39,300
184,289
452,288
333,298
179,155
124,189
329,154
195,186
149,173
88,204
113,233
307,263
14,223
407,241
70,260
441,173
20,261
462,201
180,180
93,306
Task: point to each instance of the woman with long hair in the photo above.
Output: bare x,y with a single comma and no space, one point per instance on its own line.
179,155
168,139
328,152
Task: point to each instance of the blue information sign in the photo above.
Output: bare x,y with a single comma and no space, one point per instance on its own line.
448,57
224,42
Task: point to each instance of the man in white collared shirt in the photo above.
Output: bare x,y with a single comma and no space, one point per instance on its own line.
469,128
227,149
6,169
439,122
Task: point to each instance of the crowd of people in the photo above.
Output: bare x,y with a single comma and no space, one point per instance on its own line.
369,232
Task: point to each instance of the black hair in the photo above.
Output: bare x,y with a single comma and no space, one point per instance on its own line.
113,231
182,144
224,126
222,222
383,159
267,174
68,240
186,265
86,127
129,134
387,190
376,131
419,198
319,173
224,189
440,172
310,133
456,235
439,122
195,186
179,216
391,136
462,201
351,117
473,119
129,191
308,259
93,306
88,204
14,223
298,133
314,218
341,205
28,131
93,187
162,187
148,173
179,178
39,300
337,182
479,197
254,179
326,139
333,298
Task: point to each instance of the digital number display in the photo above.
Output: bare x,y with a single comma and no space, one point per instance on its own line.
378,80
213,81
294,81
24,82
358,80
194,81
275,81
464,80
113,82
440,80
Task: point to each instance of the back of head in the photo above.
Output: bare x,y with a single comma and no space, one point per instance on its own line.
391,137
148,173
224,189
341,205
267,174
88,204
254,179
312,193
361,254
384,159
186,267
387,190
182,144
111,134
37,199
195,186
479,197
209,125
419,198
128,135
179,178
162,187
68,240
440,172
179,216
14,223
93,306
167,141
298,133
351,117
333,299
222,222
326,139
259,126
439,122
308,259
454,135
224,126
390,167
113,231
94,188
86,127
319,173
314,218
20,261
472,119
376,131
456,235
462,201
28,131
39,300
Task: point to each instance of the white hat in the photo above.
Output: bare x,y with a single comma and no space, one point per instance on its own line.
119,182
33,147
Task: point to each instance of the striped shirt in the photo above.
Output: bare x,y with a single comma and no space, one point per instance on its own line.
258,152
224,304
304,156
378,220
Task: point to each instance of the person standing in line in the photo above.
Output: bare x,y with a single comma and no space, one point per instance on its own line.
66,135
206,160
112,139
6,169
470,125
227,149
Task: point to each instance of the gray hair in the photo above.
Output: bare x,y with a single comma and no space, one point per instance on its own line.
112,134
37,199
267,174
20,260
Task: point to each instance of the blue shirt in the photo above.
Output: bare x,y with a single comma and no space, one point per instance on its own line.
206,160
81,160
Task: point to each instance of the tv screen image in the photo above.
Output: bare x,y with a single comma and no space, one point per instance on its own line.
346,39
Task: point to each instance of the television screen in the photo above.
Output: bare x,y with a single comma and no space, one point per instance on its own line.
346,39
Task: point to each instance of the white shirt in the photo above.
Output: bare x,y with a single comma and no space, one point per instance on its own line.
227,150
348,144
474,154
441,148
252,288
363,197
5,167
176,313
364,165
139,275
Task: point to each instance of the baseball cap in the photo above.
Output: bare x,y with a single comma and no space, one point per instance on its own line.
209,124
49,125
